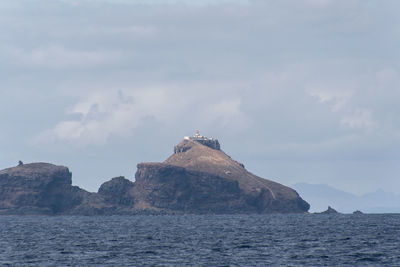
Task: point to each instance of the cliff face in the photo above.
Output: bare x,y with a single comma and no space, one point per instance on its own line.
40,188
117,191
43,188
161,186
202,179
199,178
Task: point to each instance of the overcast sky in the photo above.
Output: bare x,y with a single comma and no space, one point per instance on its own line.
298,91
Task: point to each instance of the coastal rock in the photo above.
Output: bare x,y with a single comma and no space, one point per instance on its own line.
117,191
202,179
358,212
38,188
199,178
330,210
161,186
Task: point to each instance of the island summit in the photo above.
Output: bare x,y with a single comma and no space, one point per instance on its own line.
198,178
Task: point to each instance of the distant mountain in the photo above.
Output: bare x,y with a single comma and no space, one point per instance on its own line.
320,196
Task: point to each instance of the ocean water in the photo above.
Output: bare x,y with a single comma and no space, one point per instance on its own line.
220,240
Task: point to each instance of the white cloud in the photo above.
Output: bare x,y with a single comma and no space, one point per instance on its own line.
336,97
105,113
102,113
361,118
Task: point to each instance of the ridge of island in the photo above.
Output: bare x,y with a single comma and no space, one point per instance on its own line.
199,178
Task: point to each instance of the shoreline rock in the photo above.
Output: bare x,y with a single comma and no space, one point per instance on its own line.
330,210
197,179
357,212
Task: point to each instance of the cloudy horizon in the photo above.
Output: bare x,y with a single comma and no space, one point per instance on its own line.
298,91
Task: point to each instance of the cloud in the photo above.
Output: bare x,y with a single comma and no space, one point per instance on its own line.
359,119
305,80
106,113
336,97
364,101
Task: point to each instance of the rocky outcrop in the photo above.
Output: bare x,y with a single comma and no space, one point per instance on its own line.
260,195
197,179
186,145
161,186
117,191
43,188
330,210
40,188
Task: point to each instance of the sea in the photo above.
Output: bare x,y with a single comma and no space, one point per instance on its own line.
201,240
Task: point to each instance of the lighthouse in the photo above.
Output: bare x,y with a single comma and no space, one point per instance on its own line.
210,142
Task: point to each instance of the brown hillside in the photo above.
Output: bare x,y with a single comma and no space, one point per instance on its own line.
202,158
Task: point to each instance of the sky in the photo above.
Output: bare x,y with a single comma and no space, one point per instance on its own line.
298,91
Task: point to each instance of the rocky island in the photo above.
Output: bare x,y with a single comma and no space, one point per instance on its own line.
330,210
199,178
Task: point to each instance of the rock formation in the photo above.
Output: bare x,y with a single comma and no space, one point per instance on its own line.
38,188
117,191
199,178
330,210
358,212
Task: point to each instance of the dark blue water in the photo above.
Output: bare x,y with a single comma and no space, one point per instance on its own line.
256,240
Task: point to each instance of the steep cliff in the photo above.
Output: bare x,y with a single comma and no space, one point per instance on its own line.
43,188
161,186
117,191
199,178
40,188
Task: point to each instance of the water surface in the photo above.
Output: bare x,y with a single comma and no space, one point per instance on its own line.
223,240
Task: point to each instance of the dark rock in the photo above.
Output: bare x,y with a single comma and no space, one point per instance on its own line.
42,188
38,188
358,212
199,178
117,191
328,211
161,186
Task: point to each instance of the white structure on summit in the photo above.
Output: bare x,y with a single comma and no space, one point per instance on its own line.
210,142
197,137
